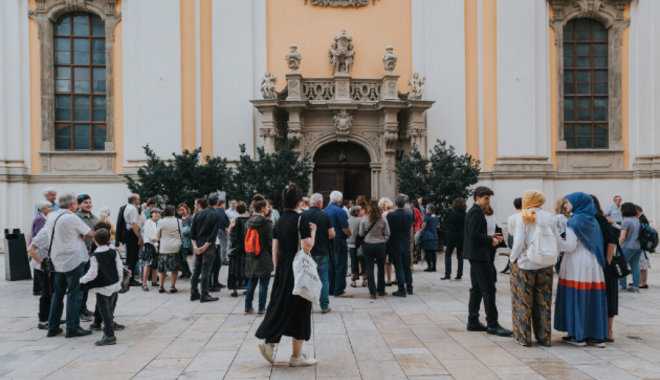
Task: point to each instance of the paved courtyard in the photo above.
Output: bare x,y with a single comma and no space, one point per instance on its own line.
418,337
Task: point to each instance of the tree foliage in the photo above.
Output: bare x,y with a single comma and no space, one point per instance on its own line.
183,177
440,178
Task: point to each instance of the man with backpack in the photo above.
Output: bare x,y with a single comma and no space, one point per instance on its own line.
258,256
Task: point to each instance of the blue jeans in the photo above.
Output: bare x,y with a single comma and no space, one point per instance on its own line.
263,291
401,261
632,258
322,269
341,263
66,283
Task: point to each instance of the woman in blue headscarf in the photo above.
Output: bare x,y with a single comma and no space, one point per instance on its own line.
581,303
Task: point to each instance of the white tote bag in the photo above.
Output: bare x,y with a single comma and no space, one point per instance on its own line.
307,283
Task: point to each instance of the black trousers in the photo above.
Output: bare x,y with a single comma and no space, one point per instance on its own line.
459,258
183,262
431,259
36,285
202,266
357,264
105,311
483,288
46,285
132,249
375,253
217,264
85,291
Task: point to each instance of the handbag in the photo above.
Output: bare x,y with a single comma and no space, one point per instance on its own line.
619,264
307,283
47,265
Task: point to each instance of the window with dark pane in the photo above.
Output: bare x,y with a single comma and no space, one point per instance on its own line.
585,84
80,87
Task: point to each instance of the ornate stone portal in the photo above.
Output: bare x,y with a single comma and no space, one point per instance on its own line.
313,112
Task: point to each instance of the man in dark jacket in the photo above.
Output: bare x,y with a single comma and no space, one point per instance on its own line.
401,223
476,249
203,232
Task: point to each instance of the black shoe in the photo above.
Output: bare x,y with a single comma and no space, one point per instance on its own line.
106,341
194,297
226,262
428,270
117,327
134,282
55,332
505,271
86,313
388,284
77,333
382,294
184,277
499,330
36,294
222,285
214,289
445,278
458,278
208,298
410,292
234,294
399,293
478,326
43,325
95,327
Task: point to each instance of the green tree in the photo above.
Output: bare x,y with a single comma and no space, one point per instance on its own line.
440,178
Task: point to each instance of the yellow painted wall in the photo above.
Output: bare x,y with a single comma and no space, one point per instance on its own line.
489,77
471,78
554,96
35,94
625,92
312,28
118,96
206,74
188,76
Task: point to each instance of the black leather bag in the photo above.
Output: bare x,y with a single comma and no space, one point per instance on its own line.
619,264
47,264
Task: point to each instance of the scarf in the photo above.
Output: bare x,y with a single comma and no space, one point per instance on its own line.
531,199
585,225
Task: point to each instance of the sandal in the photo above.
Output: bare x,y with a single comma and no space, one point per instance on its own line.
364,283
161,290
145,288
353,285
173,290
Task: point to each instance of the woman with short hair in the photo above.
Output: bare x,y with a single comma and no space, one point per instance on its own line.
170,237
430,237
629,241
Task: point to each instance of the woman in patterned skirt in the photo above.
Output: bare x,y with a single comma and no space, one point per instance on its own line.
531,283
581,304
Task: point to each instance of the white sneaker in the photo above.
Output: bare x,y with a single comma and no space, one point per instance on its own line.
301,361
268,351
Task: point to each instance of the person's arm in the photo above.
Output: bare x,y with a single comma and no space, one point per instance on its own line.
570,243
120,267
32,252
422,228
276,251
92,272
611,249
518,242
331,233
622,238
343,223
386,229
136,231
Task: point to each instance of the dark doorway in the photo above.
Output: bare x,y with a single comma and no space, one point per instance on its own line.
343,167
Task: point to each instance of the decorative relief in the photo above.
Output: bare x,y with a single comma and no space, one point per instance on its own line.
293,58
389,59
416,84
340,3
342,121
364,91
341,53
267,87
319,90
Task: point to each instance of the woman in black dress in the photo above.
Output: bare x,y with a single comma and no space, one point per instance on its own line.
288,314
236,272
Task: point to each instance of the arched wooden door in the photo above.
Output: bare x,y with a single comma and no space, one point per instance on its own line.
343,167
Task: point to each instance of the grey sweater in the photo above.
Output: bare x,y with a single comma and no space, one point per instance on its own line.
378,234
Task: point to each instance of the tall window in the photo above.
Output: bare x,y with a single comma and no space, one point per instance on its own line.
585,84
80,109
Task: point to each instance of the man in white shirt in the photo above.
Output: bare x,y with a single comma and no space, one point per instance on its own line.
67,252
231,212
132,237
613,213
511,228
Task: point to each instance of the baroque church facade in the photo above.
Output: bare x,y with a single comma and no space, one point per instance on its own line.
558,95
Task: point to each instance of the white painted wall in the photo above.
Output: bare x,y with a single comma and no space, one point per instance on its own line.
523,78
152,76
438,49
239,61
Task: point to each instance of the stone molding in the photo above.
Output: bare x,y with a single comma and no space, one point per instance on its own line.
610,13
340,3
46,13
79,162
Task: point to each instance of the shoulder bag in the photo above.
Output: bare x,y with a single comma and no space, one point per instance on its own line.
47,264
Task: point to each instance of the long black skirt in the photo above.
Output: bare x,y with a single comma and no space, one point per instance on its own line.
236,271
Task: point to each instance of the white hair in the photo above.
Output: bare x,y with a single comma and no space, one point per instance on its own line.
43,204
66,200
315,198
385,203
336,196
104,213
49,189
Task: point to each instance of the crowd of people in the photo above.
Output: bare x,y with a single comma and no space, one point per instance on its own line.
73,251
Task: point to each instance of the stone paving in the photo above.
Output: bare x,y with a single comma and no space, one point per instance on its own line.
418,337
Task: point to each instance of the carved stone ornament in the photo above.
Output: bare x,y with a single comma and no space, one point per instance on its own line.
341,53
267,86
340,3
293,58
389,59
416,83
342,121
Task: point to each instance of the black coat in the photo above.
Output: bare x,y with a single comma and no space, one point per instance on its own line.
477,242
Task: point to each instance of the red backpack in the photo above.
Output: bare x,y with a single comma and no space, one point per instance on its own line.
252,245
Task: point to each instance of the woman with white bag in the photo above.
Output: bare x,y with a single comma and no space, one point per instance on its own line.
534,252
288,314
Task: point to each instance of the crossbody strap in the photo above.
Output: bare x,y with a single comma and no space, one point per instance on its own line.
299,241
52,235
369,230
178,227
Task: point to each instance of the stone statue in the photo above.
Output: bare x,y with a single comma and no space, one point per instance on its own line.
341,53
416,83
389,59
293,58
267,86
342,121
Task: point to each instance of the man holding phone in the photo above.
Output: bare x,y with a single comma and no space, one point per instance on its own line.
476,249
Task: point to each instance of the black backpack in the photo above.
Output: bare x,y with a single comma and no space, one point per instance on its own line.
648,238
